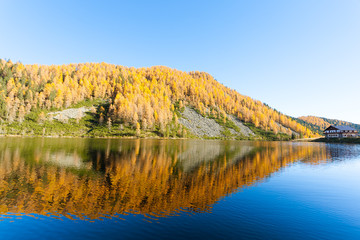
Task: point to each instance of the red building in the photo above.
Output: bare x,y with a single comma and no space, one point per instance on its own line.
340,132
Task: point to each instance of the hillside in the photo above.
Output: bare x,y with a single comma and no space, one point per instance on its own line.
319,124
125,101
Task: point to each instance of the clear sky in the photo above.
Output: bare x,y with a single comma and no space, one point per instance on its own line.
301,57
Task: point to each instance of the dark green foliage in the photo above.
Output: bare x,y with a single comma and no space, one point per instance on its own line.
227,133
177,107
342,123
312,127
319,130
3,111
52,95
267,135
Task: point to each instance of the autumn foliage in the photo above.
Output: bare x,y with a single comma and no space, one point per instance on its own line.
139,177
323,123
144,98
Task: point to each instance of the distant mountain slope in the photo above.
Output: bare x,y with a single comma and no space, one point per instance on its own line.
146,99
313,127
319,124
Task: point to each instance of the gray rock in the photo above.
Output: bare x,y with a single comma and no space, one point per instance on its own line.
71,113
202,126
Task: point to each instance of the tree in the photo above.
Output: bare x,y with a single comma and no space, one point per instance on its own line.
21,113
109,123
176,120
137,129
101,118
135,119
41,118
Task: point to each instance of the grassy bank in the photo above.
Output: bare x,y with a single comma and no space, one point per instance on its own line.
92,124
89,126
261,134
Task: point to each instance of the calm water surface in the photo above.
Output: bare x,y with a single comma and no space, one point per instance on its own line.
177,189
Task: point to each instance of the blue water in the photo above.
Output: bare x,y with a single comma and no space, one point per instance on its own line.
314,195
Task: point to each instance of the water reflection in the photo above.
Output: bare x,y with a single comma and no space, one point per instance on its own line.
95,178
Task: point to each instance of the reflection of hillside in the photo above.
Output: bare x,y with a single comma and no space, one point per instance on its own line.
200,152
146,177
62,158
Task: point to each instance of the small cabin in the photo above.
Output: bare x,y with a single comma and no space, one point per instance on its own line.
340,132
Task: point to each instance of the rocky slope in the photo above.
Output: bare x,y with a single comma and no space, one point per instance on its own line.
205,127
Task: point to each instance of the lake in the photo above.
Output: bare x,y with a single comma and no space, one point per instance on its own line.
177,189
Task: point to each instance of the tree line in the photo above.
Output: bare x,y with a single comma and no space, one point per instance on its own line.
145,98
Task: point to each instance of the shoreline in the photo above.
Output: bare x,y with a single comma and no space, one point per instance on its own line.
338,140
125,137
152,138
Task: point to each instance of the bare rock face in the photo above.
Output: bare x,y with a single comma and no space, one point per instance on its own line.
202,126
71,113
199,125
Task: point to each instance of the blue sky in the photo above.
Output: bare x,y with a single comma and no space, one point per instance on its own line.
301,57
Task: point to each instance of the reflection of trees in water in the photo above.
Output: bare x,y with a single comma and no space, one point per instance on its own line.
146,177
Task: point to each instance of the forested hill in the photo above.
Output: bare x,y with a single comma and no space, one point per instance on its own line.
319,124
146,99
